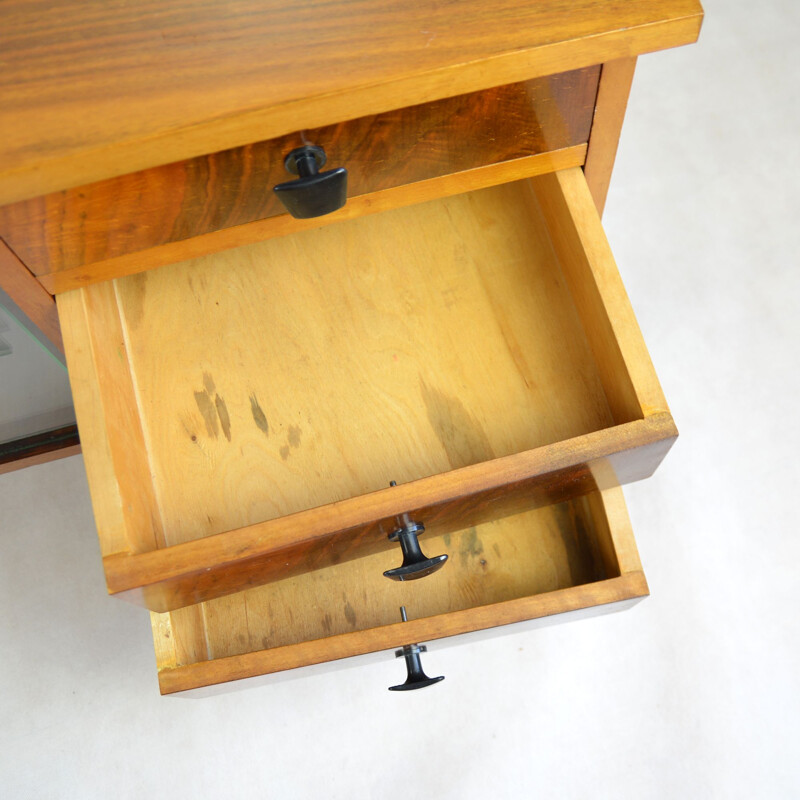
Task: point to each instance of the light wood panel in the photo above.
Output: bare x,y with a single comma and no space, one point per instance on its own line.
629,380
609,114
544,562
619,586
311,369
122,417
548,549
91,91
104,484
76,228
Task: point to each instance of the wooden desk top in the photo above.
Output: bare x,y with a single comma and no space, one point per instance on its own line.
90,90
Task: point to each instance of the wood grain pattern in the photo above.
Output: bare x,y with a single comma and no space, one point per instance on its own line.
629,380
23,288
450,373
104,486
283,225
387,657
536,564
550,549
612,100
438,319
93,90
121,216
388,638
120,413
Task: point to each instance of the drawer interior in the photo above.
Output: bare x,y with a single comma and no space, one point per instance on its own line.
552,559
322,366
303,372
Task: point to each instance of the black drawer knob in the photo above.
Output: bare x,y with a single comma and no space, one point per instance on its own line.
417,679
314,193
415,563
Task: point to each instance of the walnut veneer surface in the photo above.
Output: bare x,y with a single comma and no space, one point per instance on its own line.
91,90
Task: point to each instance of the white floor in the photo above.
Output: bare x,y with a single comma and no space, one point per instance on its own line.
695,693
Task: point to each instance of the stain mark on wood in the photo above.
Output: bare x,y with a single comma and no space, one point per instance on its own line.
208,384
294,435
224,417
327,623
206,408
293,441
350,614
470,545
259,417
461,435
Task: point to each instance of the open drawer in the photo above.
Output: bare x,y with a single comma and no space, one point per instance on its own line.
551,564
243,414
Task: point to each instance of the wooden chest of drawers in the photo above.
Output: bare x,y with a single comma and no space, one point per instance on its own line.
458,330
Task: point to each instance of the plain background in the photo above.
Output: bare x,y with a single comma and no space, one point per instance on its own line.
693,693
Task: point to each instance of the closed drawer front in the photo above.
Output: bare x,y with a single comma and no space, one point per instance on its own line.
166,214
242,415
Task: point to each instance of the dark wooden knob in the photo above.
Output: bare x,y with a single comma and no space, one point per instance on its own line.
314,193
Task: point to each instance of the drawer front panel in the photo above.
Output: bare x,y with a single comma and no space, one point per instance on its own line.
69,231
